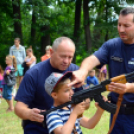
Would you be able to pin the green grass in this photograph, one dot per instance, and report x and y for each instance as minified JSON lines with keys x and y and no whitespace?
{"x":11,"y":124}
{"x":102,"y":127}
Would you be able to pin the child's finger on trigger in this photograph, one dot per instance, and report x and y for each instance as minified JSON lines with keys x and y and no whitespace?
{"x":104,"y":98}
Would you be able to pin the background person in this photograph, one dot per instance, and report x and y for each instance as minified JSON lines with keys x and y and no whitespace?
{"x":18,"y":51}
{"x":7,"y":89}
{"x":91,"y":79}
{"x":103,"y":73}
{"x":29,"y":61}
{"x":48,"y":53}
{"x":1,"y":78}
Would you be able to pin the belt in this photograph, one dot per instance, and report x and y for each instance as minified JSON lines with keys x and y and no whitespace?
{"x":26,"y":122}
{"x":127,"y":105}
{"x":126,"y":109}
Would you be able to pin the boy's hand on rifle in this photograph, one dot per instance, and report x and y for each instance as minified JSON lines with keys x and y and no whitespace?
{"x":79,"y":108}
{"x":97,"y":104}
{"x":87,"y":104}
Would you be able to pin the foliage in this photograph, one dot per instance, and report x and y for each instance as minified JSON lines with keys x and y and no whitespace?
{"x":59,"y":17}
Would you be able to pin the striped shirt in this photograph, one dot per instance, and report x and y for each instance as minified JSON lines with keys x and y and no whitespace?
{"x":59,"y":118}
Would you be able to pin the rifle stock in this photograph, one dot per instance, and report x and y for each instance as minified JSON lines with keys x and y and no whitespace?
{"x":118,"y":79}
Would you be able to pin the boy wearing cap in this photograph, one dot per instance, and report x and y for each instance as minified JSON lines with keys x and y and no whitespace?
{"x":66,"y":120}
{"x":91,"y":79}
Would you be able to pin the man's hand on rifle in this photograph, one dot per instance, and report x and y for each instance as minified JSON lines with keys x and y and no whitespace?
{"x":121,"y":88}
{"x":118,"y":88}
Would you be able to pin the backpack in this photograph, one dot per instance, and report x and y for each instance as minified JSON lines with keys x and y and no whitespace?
{"x":10,"y":79}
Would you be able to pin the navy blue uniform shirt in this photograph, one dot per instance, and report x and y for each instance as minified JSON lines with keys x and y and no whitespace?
{"x":120,"y":58}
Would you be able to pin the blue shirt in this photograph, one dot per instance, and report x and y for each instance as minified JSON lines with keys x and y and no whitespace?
{"x":19,"y":54}
{"x":59,"y":118}
{"x":32,"y":91}
{"x":92,"y":80}
{"x":120,"y":58}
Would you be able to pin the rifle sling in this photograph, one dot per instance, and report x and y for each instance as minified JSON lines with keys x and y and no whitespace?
{"x":120,"y":98}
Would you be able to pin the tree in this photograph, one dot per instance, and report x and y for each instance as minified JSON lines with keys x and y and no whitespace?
{"x":87,"y":24}
{"x":77,"y":24}
{"x":44,"y":16}
{"x":40,"y":22}
{"x":17,"y":19}
{"x":45,"y":38}
{"x":33,"y":25}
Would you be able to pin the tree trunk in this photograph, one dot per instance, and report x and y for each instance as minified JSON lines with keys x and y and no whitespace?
{"x":45,"y":39}
{"x":33,"y":30}
{"x":87,"y":24}
{"x":77,"y":24}
{"x":106,"y":36}
{"x":17,"y":19}
{"x":97,"y":31}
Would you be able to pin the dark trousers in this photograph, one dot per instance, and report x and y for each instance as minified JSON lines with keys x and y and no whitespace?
{"x":124,"y":124}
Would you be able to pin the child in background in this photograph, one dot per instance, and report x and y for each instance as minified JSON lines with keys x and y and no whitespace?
{"x":91,"y":79}
{"x":103,"y":73}
{"x":1,"y":78}
{"x":7,"y":83}
{"x":66,"y":120}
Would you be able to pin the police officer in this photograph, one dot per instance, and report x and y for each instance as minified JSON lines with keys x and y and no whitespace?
{"x":118,"y":53}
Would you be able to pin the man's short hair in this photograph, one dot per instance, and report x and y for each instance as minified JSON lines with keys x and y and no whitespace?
{"x":126,"y":11}
{"x":58,"y":41}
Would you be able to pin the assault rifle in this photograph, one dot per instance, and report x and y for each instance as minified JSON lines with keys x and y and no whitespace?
{"x":95,"y":93}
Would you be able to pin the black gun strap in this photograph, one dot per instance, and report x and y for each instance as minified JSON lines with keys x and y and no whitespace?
{"x":120,"y":98}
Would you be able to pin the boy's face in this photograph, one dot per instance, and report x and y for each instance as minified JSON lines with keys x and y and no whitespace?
{"x":64,"y":94}
{"x":92,"y":73}
{"x":8,"y":61}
